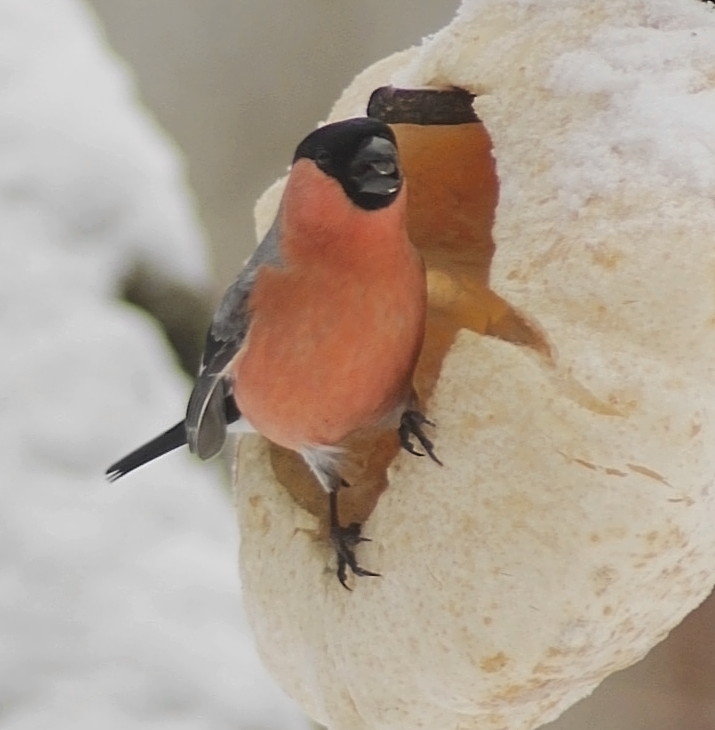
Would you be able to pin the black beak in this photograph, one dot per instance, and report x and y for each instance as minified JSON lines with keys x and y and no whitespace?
{"x":375,"y":168}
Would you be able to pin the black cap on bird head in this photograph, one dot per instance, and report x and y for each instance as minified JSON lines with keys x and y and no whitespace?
{"x":361,"y":154}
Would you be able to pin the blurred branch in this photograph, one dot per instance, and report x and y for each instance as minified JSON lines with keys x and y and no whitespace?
{"x":183,"y":312}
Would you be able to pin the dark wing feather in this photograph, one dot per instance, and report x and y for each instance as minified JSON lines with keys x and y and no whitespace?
{"x":206,"y":415}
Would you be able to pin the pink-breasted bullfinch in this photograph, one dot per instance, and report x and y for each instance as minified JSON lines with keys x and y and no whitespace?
{"x":320,"y":333}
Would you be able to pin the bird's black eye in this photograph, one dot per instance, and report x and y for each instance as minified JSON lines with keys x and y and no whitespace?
{"x":322,"y":159}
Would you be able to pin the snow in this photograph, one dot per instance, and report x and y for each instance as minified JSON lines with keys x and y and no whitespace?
{"x":119,"y":605}
{"x":657,"y":102}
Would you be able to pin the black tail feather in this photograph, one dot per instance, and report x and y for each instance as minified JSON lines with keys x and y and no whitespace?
{"x":162,"y":444}
{"x":167,"y":441}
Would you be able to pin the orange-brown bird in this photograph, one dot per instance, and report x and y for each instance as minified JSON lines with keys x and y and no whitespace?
{"x":319,"y":335}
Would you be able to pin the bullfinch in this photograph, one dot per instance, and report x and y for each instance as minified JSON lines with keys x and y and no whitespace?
{"x":319,"y":335}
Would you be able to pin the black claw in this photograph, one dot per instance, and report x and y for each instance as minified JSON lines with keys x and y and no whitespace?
{"x":411,"y":425}
{"x":344,"y":540}
{"x":342,"y":573}
{"x":407,"y":446}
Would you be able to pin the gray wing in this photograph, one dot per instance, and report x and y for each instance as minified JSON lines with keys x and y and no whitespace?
{"x":206,"y":414}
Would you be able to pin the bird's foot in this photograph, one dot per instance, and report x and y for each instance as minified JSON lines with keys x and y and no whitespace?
{"x":411,"y":425}
{"x":345,"y":540}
